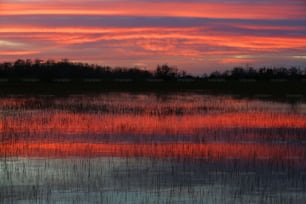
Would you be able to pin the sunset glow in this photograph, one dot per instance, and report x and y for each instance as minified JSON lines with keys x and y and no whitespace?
{"x":198,"y":36}
{"x":151,"y":8}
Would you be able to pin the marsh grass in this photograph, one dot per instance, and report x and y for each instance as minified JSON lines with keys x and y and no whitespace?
{"x":151,"y":148}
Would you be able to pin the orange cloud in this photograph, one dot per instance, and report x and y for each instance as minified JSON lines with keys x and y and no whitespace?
{"x":151,"y":37}
{"x":19,"y":52}
{"x":179,"y":9}
{"x":236,"y":61}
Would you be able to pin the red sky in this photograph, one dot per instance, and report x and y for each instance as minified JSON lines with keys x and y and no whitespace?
{"x":198,"y":36}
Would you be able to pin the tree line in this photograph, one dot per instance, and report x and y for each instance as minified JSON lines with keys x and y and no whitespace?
{"x":50,"y":69}
{"x":263,"y":73}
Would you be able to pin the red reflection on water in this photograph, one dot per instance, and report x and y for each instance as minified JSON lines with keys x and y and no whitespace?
{"x":183,"y":150}
{"x":83,"y":123}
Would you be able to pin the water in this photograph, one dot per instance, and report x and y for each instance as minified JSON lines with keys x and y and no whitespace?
{"x":151,"y":148}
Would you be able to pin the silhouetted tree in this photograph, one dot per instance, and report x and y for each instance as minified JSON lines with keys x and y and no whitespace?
{"x":50,"y":69}
{"x":166,"y":72}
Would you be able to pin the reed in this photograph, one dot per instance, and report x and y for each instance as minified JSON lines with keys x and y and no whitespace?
{"x":148,"y":148}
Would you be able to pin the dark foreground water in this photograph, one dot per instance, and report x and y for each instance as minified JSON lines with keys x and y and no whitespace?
{"x":148,"y":148}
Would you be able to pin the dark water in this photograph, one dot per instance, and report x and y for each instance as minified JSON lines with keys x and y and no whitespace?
{"x":148,"y":148}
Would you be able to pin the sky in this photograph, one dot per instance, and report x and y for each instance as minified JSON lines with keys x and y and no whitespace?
{"x":198,"y":36}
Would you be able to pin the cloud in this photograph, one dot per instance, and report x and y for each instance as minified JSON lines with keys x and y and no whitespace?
{"x":197,"y":34}
{"x":7,"y":43}
{"x":158,"y":9}
{"x":19,"y":52}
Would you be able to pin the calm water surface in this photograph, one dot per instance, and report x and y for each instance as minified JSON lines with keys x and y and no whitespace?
{"x":150,"y":148}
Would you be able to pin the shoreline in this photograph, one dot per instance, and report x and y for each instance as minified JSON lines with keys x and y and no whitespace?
{"x":280,"y":90}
